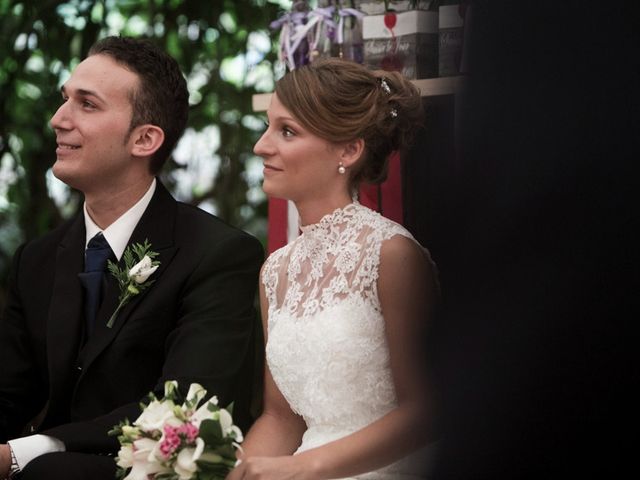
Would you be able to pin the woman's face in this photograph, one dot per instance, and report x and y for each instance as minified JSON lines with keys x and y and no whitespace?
{"x":297,"y":163}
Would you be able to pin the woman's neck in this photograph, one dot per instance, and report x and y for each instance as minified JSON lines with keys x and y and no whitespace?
{"x":312,"y":211}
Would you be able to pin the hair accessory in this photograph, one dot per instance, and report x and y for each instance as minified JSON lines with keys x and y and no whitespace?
{"x":385,"y":86}
{"x":341,"y":169}
{"x":387,"y":89}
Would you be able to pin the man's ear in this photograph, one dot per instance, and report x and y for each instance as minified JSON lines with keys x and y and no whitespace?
{"x":146,"y":140}
{"x":351,"y":152}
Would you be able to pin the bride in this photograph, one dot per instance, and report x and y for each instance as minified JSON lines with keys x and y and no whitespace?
{"x":345,"y":304}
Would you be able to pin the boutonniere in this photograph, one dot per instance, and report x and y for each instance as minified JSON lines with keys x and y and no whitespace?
{"x":139,"y":265}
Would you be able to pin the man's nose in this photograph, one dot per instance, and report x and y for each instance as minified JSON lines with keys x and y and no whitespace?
{"x":60,"y":120}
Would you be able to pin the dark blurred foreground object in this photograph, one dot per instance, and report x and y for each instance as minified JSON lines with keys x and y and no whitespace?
{"x":530,"y":351}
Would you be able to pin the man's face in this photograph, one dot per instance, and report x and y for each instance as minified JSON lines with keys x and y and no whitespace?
{"x":92,"y":125}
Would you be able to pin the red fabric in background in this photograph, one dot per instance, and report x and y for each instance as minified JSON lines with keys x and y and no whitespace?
{"x":391,"y":204}
{"x":390,"y":190}
{"x":277,"y":224}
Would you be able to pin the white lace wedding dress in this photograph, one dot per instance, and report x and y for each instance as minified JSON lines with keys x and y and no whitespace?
{"x":326,"y":346}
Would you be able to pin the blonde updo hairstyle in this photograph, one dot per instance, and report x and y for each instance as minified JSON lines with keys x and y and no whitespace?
{"x":341,"y":101}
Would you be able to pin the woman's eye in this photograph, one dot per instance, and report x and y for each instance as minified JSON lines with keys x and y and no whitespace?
{"x":287,"y":132}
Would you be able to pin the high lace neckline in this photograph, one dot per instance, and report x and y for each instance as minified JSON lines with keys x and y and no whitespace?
{"x":331,"y":219}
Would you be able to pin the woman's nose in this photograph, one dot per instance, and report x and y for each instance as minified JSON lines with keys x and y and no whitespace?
{"x":262,"y":147}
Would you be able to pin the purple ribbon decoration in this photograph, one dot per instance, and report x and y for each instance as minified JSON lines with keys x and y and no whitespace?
{"x":296,"y":27}
{"x":346,"y":12}
{"x":288,"y":24}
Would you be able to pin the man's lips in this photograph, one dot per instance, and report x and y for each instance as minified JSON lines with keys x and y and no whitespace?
{"x":66,"y":147}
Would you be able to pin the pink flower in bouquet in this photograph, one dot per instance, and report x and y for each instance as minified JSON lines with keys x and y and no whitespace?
{"x":174,"y":437}
{"x":170,"y":441}
{"x":190,"y":432}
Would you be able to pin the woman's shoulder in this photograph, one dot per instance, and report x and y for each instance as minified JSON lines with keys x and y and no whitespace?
{"x":400,"y":246}
{"x":275,"y":259}
{"x":406,"y":252}
{"x":395,"y":242}
{"x":281,"y":252}
{"x":382,"y":226}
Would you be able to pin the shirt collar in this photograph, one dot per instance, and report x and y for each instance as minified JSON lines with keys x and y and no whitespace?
{"x":119,"y":232}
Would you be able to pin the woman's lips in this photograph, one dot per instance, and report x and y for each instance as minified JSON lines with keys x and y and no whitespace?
{"x":271,"y":168}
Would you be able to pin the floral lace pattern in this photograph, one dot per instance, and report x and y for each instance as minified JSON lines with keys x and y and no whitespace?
{"x":332,"y":260}
{"x":326,"y":346}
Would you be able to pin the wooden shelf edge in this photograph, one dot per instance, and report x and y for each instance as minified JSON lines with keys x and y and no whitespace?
{"x":429,"y":87}
{"x":260,"y":102}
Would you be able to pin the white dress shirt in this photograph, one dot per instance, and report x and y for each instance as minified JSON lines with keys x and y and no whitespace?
{"x":117,"y":235}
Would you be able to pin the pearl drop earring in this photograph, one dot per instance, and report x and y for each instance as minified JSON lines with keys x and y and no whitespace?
{"x":341,"y":169}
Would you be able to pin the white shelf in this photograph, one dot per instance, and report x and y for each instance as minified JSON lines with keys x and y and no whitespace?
{"x":429,"y":87}
{"x":260,"y":102}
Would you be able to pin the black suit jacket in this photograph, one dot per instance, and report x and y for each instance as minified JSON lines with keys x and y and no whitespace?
{"x":194,"y":324}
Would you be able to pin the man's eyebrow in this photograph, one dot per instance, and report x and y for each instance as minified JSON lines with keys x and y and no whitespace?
{"x":83,"y":92}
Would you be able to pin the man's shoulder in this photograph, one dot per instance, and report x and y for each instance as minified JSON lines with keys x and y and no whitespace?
{"x":194,"y":223}
{"x":51,"y":239}
{"x":196,"y":218}
{"x":36,"y":257}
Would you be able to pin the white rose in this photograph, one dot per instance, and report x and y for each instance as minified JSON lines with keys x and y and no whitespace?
{"x":202,"y":413}
{"x":142,"y":448}
{"x":144,"y":463}
{"x":156,"y":415}
{"x":142,"y":270}
{"x":186,"y":465}
{"x":125,"y":456}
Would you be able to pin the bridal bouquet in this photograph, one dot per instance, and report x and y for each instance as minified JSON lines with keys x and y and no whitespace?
{"x":173,"y":441}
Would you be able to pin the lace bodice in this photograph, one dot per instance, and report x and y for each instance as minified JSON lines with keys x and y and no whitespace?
{"x":331,"y":261}
{"x":326,"y":346}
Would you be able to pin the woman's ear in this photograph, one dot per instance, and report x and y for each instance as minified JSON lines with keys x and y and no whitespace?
{"x":146,"y":140}
{"x":351,"y":152}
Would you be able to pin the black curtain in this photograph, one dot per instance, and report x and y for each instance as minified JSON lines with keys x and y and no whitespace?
{"x":531,"y":215}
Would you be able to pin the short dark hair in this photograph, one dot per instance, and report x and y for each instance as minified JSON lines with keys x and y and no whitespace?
{"x":161,"y":99}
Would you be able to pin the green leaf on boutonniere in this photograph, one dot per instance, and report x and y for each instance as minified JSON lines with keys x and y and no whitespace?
{"x":139,"y":265}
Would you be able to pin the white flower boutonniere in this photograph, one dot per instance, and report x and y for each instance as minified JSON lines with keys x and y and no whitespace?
{"x":139,"y":265}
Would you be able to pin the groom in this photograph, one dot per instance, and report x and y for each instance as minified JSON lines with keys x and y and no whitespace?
{"x":67,"y":377}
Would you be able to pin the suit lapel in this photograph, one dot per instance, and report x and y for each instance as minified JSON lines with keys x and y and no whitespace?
{"x":65,"y":324}
{"x":156,"y":225}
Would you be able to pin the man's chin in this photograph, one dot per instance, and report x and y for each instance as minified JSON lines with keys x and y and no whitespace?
{"x":65,"y":175}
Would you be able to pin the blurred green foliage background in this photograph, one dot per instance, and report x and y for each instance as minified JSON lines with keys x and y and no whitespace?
{"x":224,"y":49}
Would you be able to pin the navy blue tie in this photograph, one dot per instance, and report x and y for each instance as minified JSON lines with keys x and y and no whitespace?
{"x":95,"y":263}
